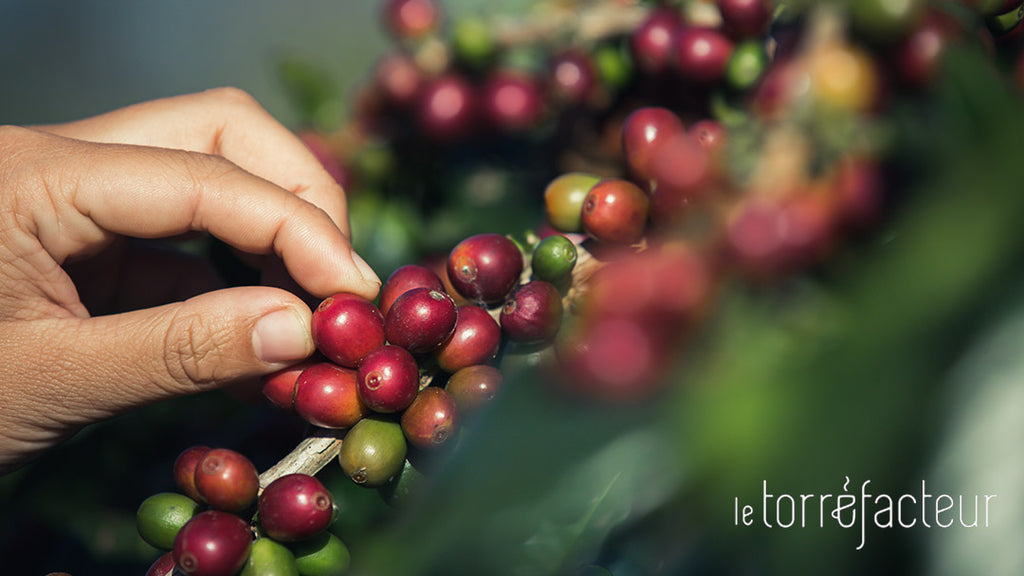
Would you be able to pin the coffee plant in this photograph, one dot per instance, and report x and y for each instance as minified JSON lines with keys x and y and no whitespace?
{"x":589,"y":197}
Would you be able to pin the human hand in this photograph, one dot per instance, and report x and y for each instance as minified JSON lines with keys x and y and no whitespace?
{"x":213,"y":162}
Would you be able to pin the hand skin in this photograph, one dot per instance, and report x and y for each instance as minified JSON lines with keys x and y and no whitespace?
{"x":212,"y":162}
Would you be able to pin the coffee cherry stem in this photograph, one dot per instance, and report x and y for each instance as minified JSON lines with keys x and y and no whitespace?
{"x":310,"y":456}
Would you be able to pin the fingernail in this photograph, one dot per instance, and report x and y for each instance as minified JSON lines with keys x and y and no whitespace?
{"x":364,"y":270}
{"x":282,"y":336}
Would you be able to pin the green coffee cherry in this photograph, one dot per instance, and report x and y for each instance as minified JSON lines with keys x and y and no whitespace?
{"x":614,"y":65}
{"x":323,"y":555}
{"x":553,"y":259}
{"x":564,"y":198}
{"x":746,"y":65}
{"x":373,"y":451}
{"x":473,"y":43}
{"x":270,"y":558}
{"x":402,"y":486}
{"x":161,"y":516}
{"x":885,"y":19}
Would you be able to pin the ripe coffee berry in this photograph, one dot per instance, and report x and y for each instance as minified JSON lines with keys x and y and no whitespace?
{"x":346,"y":327}
{"x":745,"y":18}
{"x":185,"y":470}
{"x":475,"y":340}
{"x":474,"y":386}
{"x":214,"y":543}
{"x":512,"y":102}
{"x":572,"y":77}
{"x":420,"y":320}
{"x":295,"y":507}
{"x":484,"y":268}
{"x":227,"y":480}
{"x":701,"y":54}
{"x":615,"y":211}
{"x":279,"y":387}
{"x":642,"y":132}
{"x":446,"y":108}
{"x":431,"y":420}
{"x":411,"y":18}
{"x":652,"y":41}
{"x":404,"y":279}
{"x":388,"y":379}
{"x":532,"y":313}
{"x":326,"y":396}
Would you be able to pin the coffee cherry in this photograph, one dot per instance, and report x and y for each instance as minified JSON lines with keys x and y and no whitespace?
{"x":269,"y":558}
{"x":346,"y":327}
{"x":446,"y":108}
{"x":388,"y":379}
{"x":857,"y":187}
{"x":682,"y":170}
{"x":919,"y":55}
{"x":161,"y":516}
{"x":402,"y":486}
{"x":411,"y":18}
{"x":844,"y":77}
{"x":884,"y":20}
{"x":185,"y":470}
{"x":323,"y":555}
{"x":214,"y":543}
{"x":564,"y":197}
{"x":532,"y":313}
{"x":512,"y":102}
{"x":484,"y":268}
{"x":745,"y":18}
{"x":431,"y":420}
{"x":746,"y":65}
{"x":615,"y":212}
{"x":474,"y":386}
{"x":295,"y":507}
{"x":572,"y":77}
{"x":398,"y":79}
{"x":473,"y":43}
{"x":404,"y":279}
{"x":475,"y":340}
{"x":373,"y":451}
{"x":162,"y":566}
{"x":326,"y":396}
{"x":701,"y":54}
{"x":279,"y":387}
{"x":227,"y":480}
{"x":652,"y":42}
{"x":420,"y":320}
{"x":710,"y":134}
{"x":614,"y":359}
{"x":642,"y":132}
{"x":554,"y":259}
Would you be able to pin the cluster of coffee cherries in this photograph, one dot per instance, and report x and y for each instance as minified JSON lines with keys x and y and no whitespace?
{"x":221,"y":523}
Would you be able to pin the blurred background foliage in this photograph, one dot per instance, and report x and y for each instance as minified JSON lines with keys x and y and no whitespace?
{"x":897,"y":362}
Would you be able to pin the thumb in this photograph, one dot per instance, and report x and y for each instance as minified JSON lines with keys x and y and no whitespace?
{"x":123,"y":361}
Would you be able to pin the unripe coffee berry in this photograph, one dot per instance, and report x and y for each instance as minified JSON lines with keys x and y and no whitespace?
{"x":295,"y":507}
{"x":554,"y":259}
{"x":563,"y":199}
{"x":373,"y":451}
{"x":161,"y":516}
{"x":346,"y":327}
{"x":227,"y":480}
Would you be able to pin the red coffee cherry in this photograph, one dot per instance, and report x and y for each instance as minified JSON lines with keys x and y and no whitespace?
{"x":614,"y":359}
{"x":398,"y":79}
{"x":227,"y":480}
{"x":411,"y":18}
{"x":572,"y":77}
{"x":745,"y":18}
{"x":295,"y":507}
{"x":162,"y":566}
{"x":346,"y":327}
{"x":475,"y":340}
{"x":431,"y":420}
{"x":532,"y":313}
{"x":474,"y":386}
{"x":213,"y":543}
{"x":326,"y":396}
{"x":185,"y":470}
{"x":710,"y":134}
{"x":615,"y":211}
{"x":446,"y":109}
{"x":701,"y":54}
{"x":420,"y":320}
{"x":279,"y":387}
{"x":484,"y":268}
{"x":642,"y":132}
{"x":388,"y":379}
{"x":682,"y":169}
{"x":652,"y":42}
{"x":404,"y":279}
{"x":512,"y":102}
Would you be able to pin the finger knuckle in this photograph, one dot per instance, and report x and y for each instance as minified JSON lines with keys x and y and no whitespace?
{"x":232,"y":97}
{"x":194,"y":351}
